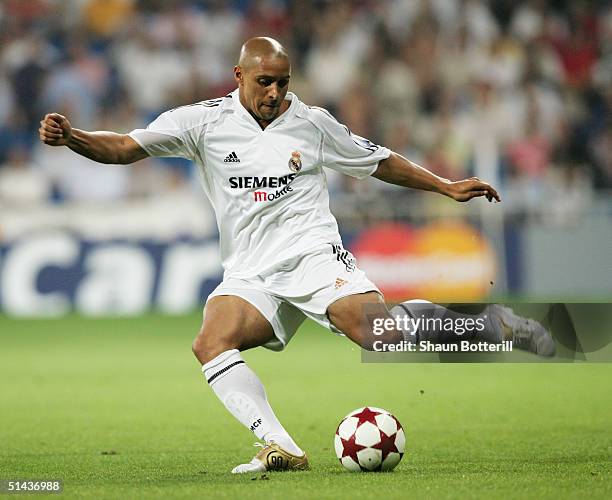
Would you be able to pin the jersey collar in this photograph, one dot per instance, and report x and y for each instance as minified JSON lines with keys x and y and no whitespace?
{"x":241,"y":110}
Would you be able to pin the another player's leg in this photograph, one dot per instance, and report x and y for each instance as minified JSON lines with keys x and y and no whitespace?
{"x":231,"y":325}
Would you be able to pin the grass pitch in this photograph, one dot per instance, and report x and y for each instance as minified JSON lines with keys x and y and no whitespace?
{"x":119,"y":409}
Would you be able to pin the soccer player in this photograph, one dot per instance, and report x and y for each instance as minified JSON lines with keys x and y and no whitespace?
{"x":260,"y":154}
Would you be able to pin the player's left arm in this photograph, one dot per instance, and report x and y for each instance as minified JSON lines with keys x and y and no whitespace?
{"x":398,"y":170}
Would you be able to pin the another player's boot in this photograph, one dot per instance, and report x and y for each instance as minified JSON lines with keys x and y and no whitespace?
{"x":527,"y":334}
{"x":272,"y":457}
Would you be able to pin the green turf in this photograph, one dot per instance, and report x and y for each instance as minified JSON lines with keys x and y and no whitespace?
{"x":119,"y":409}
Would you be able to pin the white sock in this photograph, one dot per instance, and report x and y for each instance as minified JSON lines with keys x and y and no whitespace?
{"x":243,"y":394}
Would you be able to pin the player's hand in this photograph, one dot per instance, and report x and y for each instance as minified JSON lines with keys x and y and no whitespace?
{"x":470,"y":188}
{"x":55,"y":130}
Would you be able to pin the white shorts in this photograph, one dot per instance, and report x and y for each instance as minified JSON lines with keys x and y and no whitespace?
{"x":304,"y":286}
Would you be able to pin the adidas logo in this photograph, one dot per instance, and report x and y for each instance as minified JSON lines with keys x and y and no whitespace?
{"x":340,"y":283}
{"x":232,"y":158}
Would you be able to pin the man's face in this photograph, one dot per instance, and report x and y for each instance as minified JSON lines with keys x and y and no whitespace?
{"x":263,"y":86}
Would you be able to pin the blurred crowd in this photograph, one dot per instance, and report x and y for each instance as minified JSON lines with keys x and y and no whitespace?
{"x":517,"y":92}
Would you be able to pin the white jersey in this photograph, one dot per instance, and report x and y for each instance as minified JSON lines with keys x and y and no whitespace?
{"x":267,"y":187}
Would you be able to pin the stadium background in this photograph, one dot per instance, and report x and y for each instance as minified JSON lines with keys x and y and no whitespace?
{"x":517,"y":93}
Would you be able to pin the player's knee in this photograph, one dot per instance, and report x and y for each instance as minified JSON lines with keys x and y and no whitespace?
{"x":198,"y":347}
{"x":203,"y":349}
{"x":207,"y":346}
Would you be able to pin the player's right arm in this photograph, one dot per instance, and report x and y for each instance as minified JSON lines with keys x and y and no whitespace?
{"x":103,"y":147}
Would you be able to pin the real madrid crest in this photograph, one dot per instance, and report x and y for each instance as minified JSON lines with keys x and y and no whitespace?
{"x":295,"y":163}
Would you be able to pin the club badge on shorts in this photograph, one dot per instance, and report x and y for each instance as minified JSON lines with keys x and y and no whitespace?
{"x":295,"y":163}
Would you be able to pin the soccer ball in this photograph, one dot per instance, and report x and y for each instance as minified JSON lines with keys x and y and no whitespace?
{"x":369,"y":439}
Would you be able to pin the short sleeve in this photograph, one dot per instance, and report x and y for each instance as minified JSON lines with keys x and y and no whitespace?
{"x":346,"y":152}
{"x":163,"y":137}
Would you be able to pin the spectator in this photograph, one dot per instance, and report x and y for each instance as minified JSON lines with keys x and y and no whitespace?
{"x":500,"y":89}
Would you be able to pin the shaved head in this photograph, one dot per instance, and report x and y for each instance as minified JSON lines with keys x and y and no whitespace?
{"x":262,"y":73}
{"x":256,"y":49}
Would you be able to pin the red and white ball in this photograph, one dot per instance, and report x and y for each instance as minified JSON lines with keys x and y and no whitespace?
{"x":369,"y":439}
